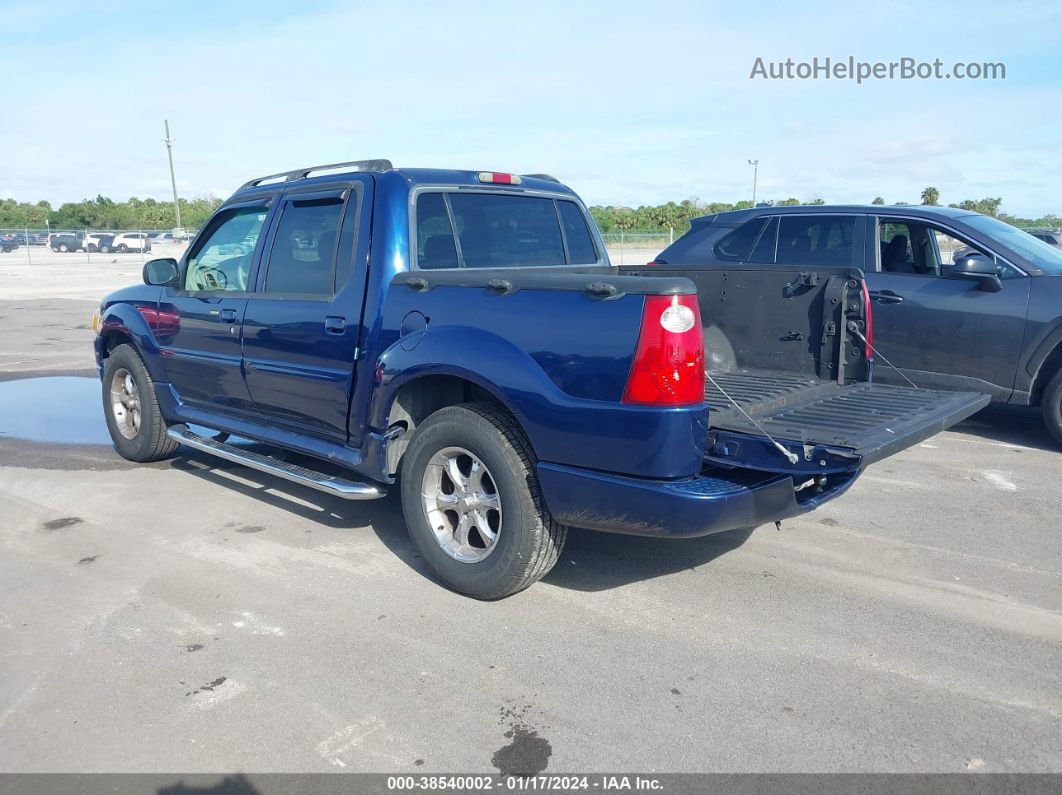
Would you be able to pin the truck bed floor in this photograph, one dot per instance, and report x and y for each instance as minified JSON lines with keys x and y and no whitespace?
{"x":872,"y":420}
{"x":757,"y":390}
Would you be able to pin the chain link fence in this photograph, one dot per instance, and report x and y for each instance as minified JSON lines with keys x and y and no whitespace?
{"x":636,"y":248}
{"x":45,"y":245}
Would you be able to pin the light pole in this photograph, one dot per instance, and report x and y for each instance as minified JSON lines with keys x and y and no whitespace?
{"x":755,"y":171}
{"x":173,"y":180}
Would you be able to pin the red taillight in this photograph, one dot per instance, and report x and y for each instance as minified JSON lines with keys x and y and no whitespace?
{"x":869,"y":321}
{"x":668,"y":367}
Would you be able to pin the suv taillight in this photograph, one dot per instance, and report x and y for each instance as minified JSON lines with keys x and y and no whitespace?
{"x":869,"y":322}
{"x":668,"y":367}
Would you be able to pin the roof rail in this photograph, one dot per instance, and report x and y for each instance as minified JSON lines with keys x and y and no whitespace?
{"x":302,"y":173}
{"x":549,"y":177}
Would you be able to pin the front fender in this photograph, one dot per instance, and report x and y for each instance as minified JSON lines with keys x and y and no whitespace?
{"x":123,"y":319}
{"x":594,"y":434}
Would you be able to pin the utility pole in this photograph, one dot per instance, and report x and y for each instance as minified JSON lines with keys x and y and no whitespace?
{"x":754,"y":163}
{"x":173,"y":179}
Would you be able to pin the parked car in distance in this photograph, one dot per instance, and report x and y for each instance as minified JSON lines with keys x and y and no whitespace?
{"x":68,"y":241}
{"x":1051,"y":238}
{"x":98,"y":241}
{"x":131,"y":241}
{"x":961,"y":300}
{"x":463,"y":333}
{"x":8,"y":243}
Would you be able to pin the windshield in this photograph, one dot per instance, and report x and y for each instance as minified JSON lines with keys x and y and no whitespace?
{"x":1039,"y":253}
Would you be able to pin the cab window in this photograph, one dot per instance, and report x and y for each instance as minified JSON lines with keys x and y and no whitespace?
{"x":222,"y":261}
{"x":303,"y":255}
{"x":917,"y":248}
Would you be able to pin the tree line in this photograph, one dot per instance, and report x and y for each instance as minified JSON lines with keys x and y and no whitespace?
{"x":662,"y":217}
{"x":104,"y":213}
{"x":134,"y":213}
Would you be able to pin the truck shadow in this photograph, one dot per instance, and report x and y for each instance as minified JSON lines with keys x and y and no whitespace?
{"x":1008,"y":427}
{"x":591,"y":561}
{"x":594,"y":561}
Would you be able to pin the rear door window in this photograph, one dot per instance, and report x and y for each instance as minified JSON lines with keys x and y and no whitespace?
{"x":498,"y":230}
{"x":819,"y":240}
{"x":303,"y":256}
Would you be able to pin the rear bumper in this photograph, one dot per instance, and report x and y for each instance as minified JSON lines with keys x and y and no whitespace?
{"x":710,"y":503}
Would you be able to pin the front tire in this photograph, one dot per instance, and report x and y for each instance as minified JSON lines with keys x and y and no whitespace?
{"x":64,"y":248}
{"x":123,"y":248}
{"x":472,"y":503}
{"x":132,"y":410}
{"x":1051,"y":406}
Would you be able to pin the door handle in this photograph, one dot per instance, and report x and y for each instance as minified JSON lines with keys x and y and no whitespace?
{"x":228,"y":315}
{"x":886,"y":297}
{"x":335,"y":325}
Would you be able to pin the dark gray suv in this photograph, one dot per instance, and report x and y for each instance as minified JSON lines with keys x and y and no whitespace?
{"x":962,"y":301}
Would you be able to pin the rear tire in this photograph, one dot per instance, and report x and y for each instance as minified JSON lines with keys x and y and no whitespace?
{"x":64,"y":248}
{"x":134,"y":420}
{"x":123,"y":248}
{"x":1051,"y":406}
{"x":527,"y":540}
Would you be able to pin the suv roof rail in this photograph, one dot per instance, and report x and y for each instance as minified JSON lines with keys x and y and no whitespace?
{"x":549,"y":177}
{"x":303,"y":173}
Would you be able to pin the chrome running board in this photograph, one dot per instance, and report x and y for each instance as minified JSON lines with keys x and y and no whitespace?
{"x":330,"y":484}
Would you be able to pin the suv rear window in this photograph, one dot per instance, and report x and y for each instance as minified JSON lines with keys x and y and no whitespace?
{"x":499,"y":230}
{"x":736,"y":245}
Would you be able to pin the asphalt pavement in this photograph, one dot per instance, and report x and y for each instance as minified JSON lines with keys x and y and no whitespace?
{"x":193,"y":615}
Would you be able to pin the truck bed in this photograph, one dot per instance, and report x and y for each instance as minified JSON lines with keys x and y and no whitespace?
{"x":779,"y":343}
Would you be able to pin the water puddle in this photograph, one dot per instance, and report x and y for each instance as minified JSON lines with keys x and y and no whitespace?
{"x":53,"y":409}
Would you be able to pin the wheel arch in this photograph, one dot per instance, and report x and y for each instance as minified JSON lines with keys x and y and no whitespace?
{"x":421,"y":396}
{"x":1051,"y":364}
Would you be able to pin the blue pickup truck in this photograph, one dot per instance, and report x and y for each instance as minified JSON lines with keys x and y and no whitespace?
{"x":462,"y":334}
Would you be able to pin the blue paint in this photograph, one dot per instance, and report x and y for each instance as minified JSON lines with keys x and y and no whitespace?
{"x":56,"y":410}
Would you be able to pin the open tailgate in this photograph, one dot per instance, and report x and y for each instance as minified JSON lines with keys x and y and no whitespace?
{"x":863,"y":420}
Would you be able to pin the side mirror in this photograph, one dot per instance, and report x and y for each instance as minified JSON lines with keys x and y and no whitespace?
{"x":158,"y":272}
{"x":979,"y":267}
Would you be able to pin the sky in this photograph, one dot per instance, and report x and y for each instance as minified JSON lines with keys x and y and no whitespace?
{"x":629,"y":103}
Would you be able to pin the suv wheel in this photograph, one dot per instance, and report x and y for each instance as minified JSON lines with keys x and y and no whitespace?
{"x":1051,"y":406}
{"x":132,"y":410}
{"x":472,"y":503}
{"x":105,"y":249}
{"x":64,"y":247}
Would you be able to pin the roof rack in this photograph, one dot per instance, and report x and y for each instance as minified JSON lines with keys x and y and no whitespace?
{"x":548,"y":177}
{"x":303,"y":173}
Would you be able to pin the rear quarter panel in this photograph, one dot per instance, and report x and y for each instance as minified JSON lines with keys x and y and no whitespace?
{"x":557,"y":359}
